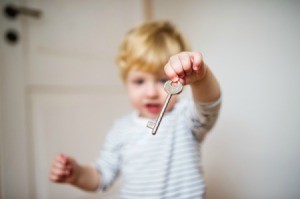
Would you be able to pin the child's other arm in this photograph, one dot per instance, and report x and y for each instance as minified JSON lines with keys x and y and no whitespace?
{"x":67,"y":170}
{"x":189,"y":68}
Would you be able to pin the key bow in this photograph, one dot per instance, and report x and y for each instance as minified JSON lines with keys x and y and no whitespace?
{"x":173,"y":90}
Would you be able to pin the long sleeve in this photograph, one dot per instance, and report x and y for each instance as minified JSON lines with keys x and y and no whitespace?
{"x":109,"y":161}
{"x":202,"y":117}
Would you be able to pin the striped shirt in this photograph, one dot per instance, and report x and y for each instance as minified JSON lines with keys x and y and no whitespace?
{"x":163,"y":166}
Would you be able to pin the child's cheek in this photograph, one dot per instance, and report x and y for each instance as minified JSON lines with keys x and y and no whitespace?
{"x":133,"y":94}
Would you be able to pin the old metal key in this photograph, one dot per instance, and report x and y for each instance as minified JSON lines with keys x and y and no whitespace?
{"x":171,"y":90}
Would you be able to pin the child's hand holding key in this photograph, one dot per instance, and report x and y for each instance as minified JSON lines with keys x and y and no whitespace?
{"x":183,"y":68}
{"x":186,"y":67}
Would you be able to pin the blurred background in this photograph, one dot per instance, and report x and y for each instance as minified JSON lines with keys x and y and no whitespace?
{"x":60,"y":90}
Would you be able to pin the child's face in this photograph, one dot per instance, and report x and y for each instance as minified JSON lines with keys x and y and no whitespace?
{"x":147,"y":94}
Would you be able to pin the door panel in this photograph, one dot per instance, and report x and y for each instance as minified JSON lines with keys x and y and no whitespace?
{"x":61,"y":91}
{"x":75,"y":42}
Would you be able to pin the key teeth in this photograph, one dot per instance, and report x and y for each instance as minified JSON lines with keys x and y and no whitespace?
{"x":150,"y":125}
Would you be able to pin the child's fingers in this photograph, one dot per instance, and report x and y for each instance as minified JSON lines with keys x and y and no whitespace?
{"x":185,"y":62}
{"x":171,"y":73}
{"x":196,"y":60}
{"x":59,"y":165}
{"x":176,"y":64}
{"x":60,"y":171}
{"x":63,"y":159}
{"x":56,"y":178}
{"x":180,"y":67}
{"x":60,"y":158}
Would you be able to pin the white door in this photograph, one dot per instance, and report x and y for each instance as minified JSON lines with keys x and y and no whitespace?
{"x":60,"y":90}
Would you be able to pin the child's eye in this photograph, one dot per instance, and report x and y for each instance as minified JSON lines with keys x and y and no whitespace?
{"x":138,"y":81}
{"x":163,"y":80}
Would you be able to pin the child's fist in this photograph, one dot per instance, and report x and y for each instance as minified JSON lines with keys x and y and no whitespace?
{"x":188,"y":67}
{"x":64,"y":169}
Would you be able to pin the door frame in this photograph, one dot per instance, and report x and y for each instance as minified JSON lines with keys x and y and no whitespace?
{"x":14,"y":157}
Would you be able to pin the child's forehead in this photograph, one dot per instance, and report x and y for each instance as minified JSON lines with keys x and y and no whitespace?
{"x":142,"y":73}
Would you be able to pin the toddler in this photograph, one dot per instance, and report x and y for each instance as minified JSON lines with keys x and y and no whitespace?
{"x":168,"y":164}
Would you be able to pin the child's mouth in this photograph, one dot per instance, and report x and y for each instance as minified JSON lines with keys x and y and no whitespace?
{"x":153,"y":108}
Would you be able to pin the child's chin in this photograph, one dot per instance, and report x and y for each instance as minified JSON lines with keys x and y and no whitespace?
{"x":151,"y":115}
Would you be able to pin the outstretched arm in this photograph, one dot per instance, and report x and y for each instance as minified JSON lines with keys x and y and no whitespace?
{"x":189,"y":68}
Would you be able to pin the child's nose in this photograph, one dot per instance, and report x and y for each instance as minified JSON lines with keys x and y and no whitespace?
{"x":152,"y":91}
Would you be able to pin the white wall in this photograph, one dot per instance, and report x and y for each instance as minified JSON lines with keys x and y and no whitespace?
{"x":252,"y":48}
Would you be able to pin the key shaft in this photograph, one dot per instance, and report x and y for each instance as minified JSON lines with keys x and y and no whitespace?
{"x":154,"y":126}
{"x":171,"y":90}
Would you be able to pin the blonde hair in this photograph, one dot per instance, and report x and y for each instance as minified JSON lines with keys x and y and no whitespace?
{"x":149,"y":46}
